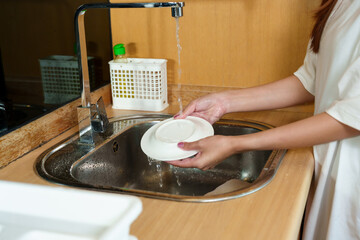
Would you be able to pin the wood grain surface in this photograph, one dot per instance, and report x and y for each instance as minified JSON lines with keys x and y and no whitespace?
{"x":224,"y":43}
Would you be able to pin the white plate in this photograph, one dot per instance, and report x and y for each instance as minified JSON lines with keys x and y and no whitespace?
{"x":160,"y":141}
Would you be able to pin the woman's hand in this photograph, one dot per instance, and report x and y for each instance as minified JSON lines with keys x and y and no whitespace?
{"x":210,"y":107}
{"x":212,"y":151}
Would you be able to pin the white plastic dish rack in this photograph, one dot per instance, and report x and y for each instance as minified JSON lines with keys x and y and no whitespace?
{"x":34,"y":212}
{"x":60,"y":78}
{"x":139,"y":84}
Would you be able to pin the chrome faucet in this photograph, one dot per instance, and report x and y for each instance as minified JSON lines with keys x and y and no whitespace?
{"x":94,"y":115}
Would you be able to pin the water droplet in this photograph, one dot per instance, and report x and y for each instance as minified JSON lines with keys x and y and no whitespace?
{"x":177,"y":176}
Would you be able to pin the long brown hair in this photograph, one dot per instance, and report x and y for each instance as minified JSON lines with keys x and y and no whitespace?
{"x":321,"y":16}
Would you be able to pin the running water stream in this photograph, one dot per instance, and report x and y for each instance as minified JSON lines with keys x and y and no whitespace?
{"x":179,"y":63}
{"x":158,"y":166}
{"x":179,"y":84}
{"x":158,"y":169}
{"x":151,"y":160}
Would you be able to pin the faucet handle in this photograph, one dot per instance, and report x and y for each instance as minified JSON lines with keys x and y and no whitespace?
{"x":99,"y":119}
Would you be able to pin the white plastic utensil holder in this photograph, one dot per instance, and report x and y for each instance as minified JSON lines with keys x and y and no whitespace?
{"x":139,"y":84}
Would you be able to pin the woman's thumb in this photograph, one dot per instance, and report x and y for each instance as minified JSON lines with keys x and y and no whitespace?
{"x":188,"y":145}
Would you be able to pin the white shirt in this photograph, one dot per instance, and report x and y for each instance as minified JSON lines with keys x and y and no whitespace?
{"x":333,"y":77}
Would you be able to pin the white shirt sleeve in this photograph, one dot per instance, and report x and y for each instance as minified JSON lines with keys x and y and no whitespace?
{"x":346,"y":109}
{"x":307,"y":72}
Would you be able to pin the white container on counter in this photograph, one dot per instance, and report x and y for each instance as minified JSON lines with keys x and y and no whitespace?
{"x":33,"y":212}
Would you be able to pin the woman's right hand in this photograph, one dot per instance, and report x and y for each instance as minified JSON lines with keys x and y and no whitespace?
{"x":210,"y":107}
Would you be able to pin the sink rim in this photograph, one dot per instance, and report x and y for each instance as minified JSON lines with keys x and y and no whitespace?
{"x":266,"y":175}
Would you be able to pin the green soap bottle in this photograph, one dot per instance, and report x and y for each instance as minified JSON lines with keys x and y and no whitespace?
{"x":119,"y":52}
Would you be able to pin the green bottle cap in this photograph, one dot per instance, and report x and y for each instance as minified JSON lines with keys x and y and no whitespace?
{"x":119,"y":49}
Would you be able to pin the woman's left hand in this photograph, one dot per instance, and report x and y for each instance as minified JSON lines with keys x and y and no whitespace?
{"x":212,"y":151}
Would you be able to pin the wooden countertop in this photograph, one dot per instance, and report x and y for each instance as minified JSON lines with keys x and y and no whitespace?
{"x":274,"y":212}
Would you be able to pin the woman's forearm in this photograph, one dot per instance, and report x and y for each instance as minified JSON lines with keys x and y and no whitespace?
{"x":315,"y":130}
{"x":283,"y":93}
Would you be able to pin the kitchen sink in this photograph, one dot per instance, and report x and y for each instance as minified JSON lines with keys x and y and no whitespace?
{"x":117,"y":164}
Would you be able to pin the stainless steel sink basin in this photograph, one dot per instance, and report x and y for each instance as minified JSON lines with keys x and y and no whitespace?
{"x":119,"y":165}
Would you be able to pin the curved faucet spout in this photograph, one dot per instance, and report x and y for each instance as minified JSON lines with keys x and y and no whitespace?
{"x":176,"y":11}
